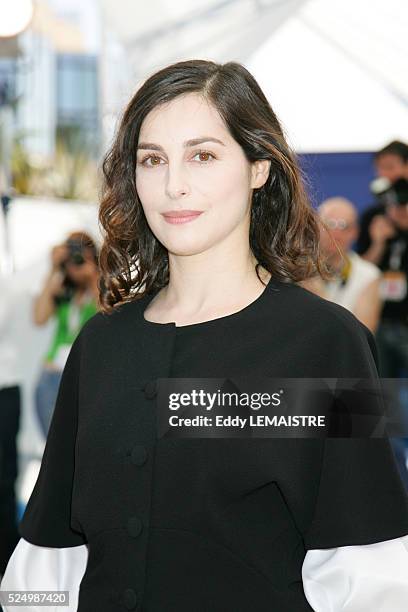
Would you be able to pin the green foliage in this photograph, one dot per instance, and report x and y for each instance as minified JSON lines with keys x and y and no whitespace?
{"x":71,"y":173}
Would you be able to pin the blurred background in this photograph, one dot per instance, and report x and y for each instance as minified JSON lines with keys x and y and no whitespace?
{"x":335,"y":74}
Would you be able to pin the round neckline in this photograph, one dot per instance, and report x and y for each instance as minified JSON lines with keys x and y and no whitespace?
{"x":225,"y":318}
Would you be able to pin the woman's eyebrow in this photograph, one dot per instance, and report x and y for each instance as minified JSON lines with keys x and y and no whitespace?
{"x":187,"y":143}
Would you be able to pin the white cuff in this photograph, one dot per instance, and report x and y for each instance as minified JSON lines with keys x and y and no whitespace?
{"x":358,"y":578}
{"x":38,"y":568}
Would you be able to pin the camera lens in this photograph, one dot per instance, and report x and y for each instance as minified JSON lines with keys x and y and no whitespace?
{"x":75,"y":253}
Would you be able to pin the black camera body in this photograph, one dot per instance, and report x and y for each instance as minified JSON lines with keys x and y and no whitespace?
{"x":75,"y":252}
{"x":387,"y":193}
{"x":76,"y":257}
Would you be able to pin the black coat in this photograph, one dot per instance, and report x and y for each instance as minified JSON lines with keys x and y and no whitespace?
{"x":207,"y":525}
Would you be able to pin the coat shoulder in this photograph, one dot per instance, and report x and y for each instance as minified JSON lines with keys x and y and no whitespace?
{"x":329,"y":335}
{"x":121,"y":316}
{"x":322,"y":315}
{"x":314,"y":306}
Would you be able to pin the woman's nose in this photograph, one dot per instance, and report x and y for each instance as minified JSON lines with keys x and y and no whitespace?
{"x":177,"y":183}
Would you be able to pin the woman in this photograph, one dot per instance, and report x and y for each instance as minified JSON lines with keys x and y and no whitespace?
{"x":208,"y":230}
{"x":70,"y":296}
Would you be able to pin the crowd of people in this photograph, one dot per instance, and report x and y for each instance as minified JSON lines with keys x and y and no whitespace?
{"x":369,"y":259}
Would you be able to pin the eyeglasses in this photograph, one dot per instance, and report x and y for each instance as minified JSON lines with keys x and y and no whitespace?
{"x":340,"y":224}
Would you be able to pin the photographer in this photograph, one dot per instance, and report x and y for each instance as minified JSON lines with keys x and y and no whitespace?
{"x":70,"y":294}
{"x":383,"y":240}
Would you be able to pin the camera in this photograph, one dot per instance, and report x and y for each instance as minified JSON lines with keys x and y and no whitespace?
{"x":75,"y":256}
{"x":75,"y":253}
{"x":386,"y":192}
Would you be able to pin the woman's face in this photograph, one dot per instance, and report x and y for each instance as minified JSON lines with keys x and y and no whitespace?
{"x":188,"y":161}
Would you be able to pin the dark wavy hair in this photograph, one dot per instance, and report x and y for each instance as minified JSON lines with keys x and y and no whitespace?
{"x":284,"y":227}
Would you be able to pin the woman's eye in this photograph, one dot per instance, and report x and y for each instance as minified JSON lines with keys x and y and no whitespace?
{"x":153,"y":157}
{"x":205,"y":154}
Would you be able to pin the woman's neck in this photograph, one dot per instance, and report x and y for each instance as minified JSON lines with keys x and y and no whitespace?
{"x":178,"y":302}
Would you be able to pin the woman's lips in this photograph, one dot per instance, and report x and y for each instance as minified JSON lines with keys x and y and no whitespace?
{"x":176,"y":217}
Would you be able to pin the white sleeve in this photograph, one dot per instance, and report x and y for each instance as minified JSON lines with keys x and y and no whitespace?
{"x":358,"y":578}
{"x":38,"y":568}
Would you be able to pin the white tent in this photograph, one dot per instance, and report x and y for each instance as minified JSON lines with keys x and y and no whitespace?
{"x":334,"y":71}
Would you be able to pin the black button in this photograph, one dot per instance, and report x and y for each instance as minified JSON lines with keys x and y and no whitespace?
{"x":150,"y":389}
{"x":134,"y":526}
{"x":130,"y":599}
{"x":138,"y":455}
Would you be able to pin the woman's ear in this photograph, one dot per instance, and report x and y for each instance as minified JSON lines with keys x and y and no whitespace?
{"x":260,"y":172}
